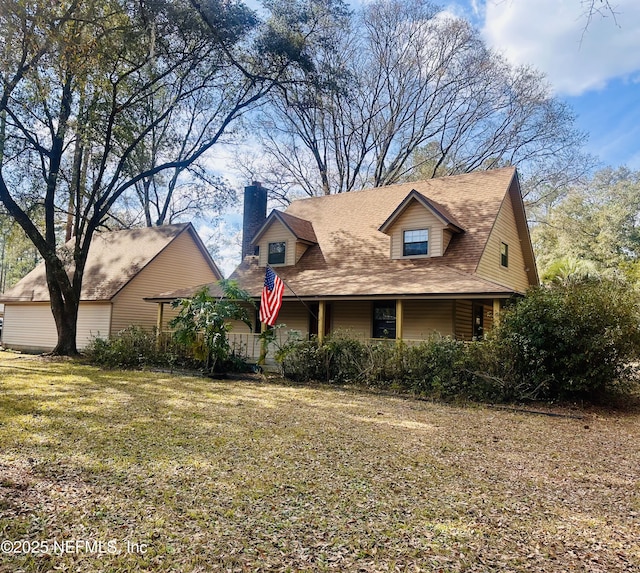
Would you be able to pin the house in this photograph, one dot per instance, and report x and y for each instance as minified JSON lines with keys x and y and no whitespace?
{"x":122,"y":268}
{"x":403,"y":261}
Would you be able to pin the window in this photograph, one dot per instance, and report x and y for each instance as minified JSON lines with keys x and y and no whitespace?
{"x":415,"y":243}
{"x":504,"y":254}
{"x":276,"y":253}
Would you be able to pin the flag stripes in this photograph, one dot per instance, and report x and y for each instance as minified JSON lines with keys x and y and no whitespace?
{"x":271,"y":299}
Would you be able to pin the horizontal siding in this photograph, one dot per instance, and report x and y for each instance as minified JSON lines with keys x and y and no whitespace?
{"x":463,"y":319}
{"x":276,"y":233}
{"x":446,"y":239}
{"x":488,"y":317}
{"x":31,"y":326}
{"x":292,"y":314}
{"x":296,"y":317}
{"x":301,"y":249}
{"x":354,"y":317}
{"x":423,"y":318}
{"x":505,"y":230}
{"x":416,"y":216}
{"x":179,"y":265}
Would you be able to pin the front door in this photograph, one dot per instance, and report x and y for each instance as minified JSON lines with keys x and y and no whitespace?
{"x":384,"y":319}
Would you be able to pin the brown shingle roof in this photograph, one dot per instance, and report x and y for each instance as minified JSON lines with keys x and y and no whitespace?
{"x":114,"y":259}
{"x":300,"y":228}
{"x":352,"y":258}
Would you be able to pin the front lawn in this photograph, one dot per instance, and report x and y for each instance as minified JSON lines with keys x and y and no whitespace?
{"x":137,"y":471}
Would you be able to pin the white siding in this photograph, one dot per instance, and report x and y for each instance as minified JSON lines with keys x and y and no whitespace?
{"x":30,"y":326}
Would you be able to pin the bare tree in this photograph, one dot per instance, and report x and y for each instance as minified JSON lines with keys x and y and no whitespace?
{"x":409,"y":92}
{"x":598,"y":8}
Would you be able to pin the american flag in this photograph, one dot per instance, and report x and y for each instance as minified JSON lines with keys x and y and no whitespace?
{"x":271,"y":299}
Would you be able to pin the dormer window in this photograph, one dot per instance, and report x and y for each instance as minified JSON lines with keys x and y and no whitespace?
{"x":277,"y":253}
{"x":415,"y":243}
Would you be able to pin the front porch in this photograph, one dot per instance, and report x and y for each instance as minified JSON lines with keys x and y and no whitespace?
{"x":410,"y":320}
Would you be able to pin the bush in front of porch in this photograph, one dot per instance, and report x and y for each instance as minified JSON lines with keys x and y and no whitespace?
{"x":574,"y":340}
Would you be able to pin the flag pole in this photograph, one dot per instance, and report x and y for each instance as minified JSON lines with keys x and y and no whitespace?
{"x":264,"y":326}
{"x":294,"y":294}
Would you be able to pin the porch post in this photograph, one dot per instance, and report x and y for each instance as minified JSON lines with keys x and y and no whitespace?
{"x":159,"y":321}
{"x":160,"y":318}
{"x":399,"y":318}
{"x":263,"y":345}
{"x":322,"y":312}
{"x":496,"y":311}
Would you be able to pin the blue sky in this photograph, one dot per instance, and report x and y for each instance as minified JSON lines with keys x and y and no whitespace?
{"x":596,"y":71}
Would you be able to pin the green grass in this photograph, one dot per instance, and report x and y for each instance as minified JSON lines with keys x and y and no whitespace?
{"x":251,"y":476}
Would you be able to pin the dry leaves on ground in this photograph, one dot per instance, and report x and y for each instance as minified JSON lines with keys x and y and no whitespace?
{"x":188,"y":474}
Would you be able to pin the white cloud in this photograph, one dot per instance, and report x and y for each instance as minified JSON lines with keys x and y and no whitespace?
{"x":551,"y":36}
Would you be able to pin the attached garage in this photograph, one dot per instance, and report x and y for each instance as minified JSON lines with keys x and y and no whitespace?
{"x":122,"y":269}
{"x":32,"y":326}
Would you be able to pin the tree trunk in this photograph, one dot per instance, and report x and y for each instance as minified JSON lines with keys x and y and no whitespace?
{"x":66,"y":327}
{"x":64,"y":307}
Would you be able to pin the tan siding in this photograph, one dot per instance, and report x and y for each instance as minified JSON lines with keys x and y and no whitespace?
{"x":463,"y":319}
{"x":30,"y":326}
{"x":422,"y":318}
{"x":301,"y":249}
{"x":416,"y":216}
{"x":446,"y":239}
{"x":293,"y":313}
{"x":275,"y":233}
{"x":296,"y":317}
{"x":504,"y":231}
{"x":180,"y":263}
{"x":352,"y":316}
{"x":488,"y":317}
{"x":238,"y":326}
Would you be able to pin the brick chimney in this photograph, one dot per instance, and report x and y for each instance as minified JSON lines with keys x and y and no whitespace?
{"x":255,"y":214}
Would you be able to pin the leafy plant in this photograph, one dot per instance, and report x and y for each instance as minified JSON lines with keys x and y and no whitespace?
{"x":135,"y":347}
{"x":571,"y":339}
{"x":204,"y":321}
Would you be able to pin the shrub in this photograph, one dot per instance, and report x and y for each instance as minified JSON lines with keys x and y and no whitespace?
{"x":203,"y":322}
{"x":438,"y":366}
{"x":569,"y":340}
{"x":134,"y":347}
{"x":572,"y":340}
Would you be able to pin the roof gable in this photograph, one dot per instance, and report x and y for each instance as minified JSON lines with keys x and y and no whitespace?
{"x":352,"y":255}
{"x":114,"y":259}
{"x":439,"y":211}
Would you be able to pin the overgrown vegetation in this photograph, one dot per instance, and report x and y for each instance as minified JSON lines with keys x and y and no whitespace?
{"x":577,"y":339}
{"x":135,"y":347}
{"x":565,"y":341}
{"x":199,"y":339}
{"x":204,"y":321}
{"x":573,"y":339}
